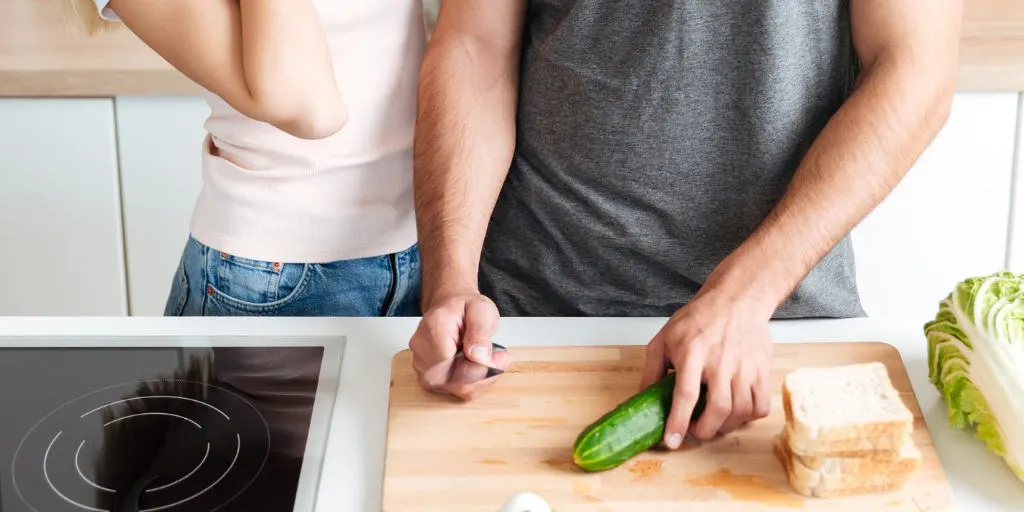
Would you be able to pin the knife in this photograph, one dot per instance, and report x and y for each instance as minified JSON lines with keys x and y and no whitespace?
{"x":467,"y":371}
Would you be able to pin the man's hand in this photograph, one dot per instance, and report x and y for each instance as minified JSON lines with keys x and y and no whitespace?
{"x":720,"y":340}
{"x":908,"y":53}
{"x":468,"y":320}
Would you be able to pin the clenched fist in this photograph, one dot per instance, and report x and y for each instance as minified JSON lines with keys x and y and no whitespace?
{"x":462,"y":320}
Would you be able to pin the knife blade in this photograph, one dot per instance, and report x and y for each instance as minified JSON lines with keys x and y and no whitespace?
{"x":466,"y":371}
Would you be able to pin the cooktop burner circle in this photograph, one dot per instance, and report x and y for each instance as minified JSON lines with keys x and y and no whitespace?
{"x":143,"y":446}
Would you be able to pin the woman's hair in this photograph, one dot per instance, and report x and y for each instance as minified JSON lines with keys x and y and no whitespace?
{"x":82,"y":15}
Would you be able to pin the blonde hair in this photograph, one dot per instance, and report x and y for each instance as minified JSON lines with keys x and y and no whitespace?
{"x":81,"y":15}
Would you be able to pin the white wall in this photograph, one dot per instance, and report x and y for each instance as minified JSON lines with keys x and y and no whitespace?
{"x":949,"y":217}
{"x":70,"y":178}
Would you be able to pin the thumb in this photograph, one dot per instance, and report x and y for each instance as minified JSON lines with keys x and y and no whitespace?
{"x":481,"y":325}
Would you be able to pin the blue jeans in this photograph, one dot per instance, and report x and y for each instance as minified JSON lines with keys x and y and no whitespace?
{"x":212,"y":283}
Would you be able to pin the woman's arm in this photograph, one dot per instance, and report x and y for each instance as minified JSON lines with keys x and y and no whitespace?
{"x":266,"y":58}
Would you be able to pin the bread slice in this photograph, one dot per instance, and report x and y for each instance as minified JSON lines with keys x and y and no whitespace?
{"x":906,"y":459}
{"x":835,"y":410}
{"x":839,"y":477}
{"x":872,"y":447}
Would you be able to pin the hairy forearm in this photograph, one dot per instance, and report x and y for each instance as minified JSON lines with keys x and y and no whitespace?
{"x":269,"y":60}
{"x":859,"y":157}
{"x":464,"y":141}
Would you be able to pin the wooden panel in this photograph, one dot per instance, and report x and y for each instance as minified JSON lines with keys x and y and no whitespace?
{"x":445,"y":455}
{"x":60,"y":239}
{"x":39,"y":57}
{"x":160,"y":142}
{"x":992,"y":46}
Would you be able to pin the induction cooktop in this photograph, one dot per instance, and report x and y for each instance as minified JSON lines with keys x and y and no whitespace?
{"x":153,"y":424}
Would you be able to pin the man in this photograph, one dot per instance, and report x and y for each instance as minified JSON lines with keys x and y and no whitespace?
{"x":699,"y":160}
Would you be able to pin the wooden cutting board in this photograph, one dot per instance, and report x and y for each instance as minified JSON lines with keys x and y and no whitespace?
{"x":452,"y":456}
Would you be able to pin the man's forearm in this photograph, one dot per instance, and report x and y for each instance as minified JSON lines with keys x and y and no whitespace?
{"x":859,"y":157}
{"x":465,"y":137}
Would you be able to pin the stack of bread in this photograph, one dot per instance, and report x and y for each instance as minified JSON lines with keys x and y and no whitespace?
{"x":847,"y":432}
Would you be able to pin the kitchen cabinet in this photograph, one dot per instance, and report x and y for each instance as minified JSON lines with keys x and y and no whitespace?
{"x":159,"y":138}
{"x":96,"y":197}
{"x":60,"y":220}
{"x":948,"y":219}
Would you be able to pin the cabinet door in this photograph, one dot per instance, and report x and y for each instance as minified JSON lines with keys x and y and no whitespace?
{"x":948,"y":219}
{"x":159,"y":140}
{"x":60,"y":222}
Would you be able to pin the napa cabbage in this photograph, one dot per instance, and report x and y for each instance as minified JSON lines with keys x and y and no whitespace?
{"x":976,"y":361}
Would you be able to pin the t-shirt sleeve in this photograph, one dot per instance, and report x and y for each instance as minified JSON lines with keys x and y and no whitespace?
{"x":105,"y":11}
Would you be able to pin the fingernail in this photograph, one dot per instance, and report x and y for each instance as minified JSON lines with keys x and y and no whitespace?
{"x":674,"y":441}
{"x":500,"y":359}
{"x":479,"y":353}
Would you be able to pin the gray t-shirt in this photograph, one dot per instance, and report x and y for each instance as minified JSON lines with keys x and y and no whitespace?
{"x":653,"y":137}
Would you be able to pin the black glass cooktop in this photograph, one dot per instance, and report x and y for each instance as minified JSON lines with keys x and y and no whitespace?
{"x":132,"y":429}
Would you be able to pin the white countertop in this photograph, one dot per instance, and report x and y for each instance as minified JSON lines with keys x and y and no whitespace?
{"x":353,"y":469}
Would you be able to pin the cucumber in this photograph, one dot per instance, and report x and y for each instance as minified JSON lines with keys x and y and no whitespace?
{"x":631,"y":428}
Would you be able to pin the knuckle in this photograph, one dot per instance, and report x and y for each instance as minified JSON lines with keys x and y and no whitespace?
{"x":747,"y":411}
{"x":688,"y":393}
{"x":719,"y":407}
{"x":426,"y":383}
{"x":704,"y":434}
{"x":484,"y":301}
{"x":416,"y":345}
{"x":742,"y":411}
{"x":718,"y":410}
{"x":429,"y":380}
{"x":429,"y":332}
{"x":747,"y":374}
{"x":697,"y":341}
{"x":762,"y":410}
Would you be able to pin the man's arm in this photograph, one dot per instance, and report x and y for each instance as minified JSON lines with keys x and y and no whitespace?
{"x":268,"y":59}
{"x":909,"y":53}
{"x":465,"y":135}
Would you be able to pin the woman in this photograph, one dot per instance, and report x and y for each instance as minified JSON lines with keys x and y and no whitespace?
{"x":306,"y":207}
